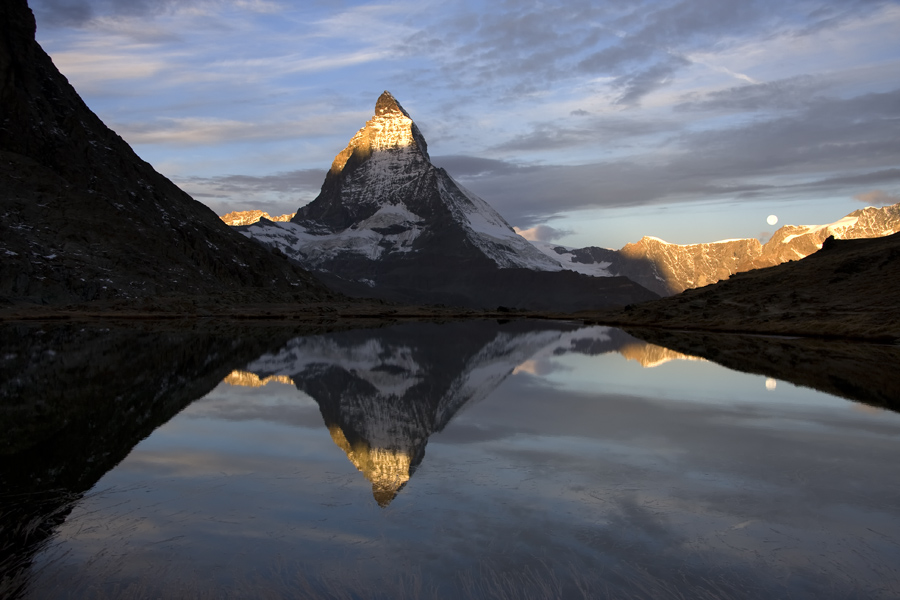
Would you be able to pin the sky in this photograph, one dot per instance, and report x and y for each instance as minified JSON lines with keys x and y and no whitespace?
{"x":582,"y":123}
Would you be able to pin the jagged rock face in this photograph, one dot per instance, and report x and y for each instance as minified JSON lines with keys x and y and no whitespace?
{"x":694,"y":265}
{"x":793,"y":242}
{"x":249,"y":217}
{"x":84,"y":218}
{"x":848,"y":288}
{"x":672,"y":268}
{"x":241,"y":378}
{"x":390,"y":224}
{"x":385,"y":164}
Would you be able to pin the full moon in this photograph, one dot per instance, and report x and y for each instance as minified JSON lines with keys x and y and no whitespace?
{"x":771,"y":219}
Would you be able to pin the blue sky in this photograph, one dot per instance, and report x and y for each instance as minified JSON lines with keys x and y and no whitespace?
{"x":588,"y":123}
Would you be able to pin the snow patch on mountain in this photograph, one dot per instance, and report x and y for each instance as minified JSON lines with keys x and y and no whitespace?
{"x":569,"y":261}
{"x":392,"y":228}
{"x":490,"y":232}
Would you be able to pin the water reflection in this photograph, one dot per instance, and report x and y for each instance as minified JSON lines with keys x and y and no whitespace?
{"x":382,"y":393}
{"x":561,"y":460}
{"x":76,"y":399}
{"x":857,"y":371}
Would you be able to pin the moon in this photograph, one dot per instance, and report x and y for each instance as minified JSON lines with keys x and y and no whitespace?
{"x":771,"y":219}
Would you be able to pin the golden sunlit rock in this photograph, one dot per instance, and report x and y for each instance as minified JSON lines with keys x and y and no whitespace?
{"x":391,"y":127}
{"x":249,"y":217}
{"x":245,"y":379}
{"x":387,"y":469}
{"x":649,"y":355}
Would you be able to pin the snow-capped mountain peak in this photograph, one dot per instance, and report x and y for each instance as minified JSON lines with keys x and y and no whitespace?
{"x":390,"y":129}
{"x":383,"y":200}
{"x":390,"y":224}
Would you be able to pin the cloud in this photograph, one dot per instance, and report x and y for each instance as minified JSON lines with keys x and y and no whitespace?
{"x":877,"y":198}
{"x":470,"y":167}
{"x":603,"y":130}
{"x":543,"y":233}
{"x":304,"y":180}
{"x":199,"y":131}
{"x":91,"y":68}
{"x":78,"y":13}
{"x":639,"y":84}
{"x":791,"y":93}
{"x":297,"y":63}
{"x":831,"y":145}
{"x":276,"y":194}
{"x":62,"y":13}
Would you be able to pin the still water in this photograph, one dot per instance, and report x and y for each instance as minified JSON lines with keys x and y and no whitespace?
{"x":473,"y":459}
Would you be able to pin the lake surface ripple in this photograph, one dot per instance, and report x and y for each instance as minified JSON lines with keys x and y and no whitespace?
{"x":477,"y":459}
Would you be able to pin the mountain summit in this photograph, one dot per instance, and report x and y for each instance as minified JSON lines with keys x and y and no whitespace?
{"x":383,"y":196}
{"x":388,"y":223}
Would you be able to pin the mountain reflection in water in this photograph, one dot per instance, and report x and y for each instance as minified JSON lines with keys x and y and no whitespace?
{"x":556,"y":468}
{"x":383,"y":393}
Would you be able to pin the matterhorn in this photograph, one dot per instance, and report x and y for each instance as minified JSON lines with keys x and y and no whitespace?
{"x":389,"y":224}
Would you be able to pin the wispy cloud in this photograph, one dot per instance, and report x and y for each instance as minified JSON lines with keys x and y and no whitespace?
{"x":877,"y":198}
{"x":543,"y":233}
{"x":190,"y":131}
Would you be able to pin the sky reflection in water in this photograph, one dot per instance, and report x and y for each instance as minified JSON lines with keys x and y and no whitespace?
{"x":574,"y":475}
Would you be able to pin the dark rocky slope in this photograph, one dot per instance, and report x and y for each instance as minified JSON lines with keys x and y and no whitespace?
{"x":83,"y":218}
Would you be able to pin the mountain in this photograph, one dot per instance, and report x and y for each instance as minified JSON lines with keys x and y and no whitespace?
{"x":389,"y":224}
{"x":249,"y":217}
{"x":849,"y":288}
{"x":85,"y":219}
{"x":672,"y":268}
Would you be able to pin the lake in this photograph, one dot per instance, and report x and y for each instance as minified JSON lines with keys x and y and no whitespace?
{"x":476,"y":459}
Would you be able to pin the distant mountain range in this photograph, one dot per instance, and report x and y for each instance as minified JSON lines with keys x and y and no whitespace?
{"x":849,"y":288}
{"x":672,"y":268}
{"x":249,"y":217}
{"x":389,"y":224}
{"x":85,"y":219}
